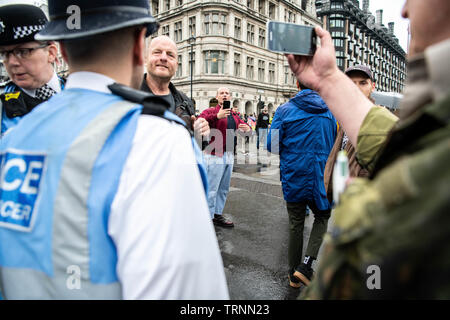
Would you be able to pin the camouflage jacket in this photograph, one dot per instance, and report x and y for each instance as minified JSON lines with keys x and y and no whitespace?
{"x":391,"y":237}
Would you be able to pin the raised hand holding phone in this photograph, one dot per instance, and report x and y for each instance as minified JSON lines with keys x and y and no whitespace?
{"x":291,"y":38}
{"x":226,"y":104}
{"x":225,"y":111}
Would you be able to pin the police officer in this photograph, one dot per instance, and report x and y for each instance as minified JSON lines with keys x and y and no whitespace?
{"x":85,"y":208}
{"x":29,"y":63}
{"x":390,"y":238}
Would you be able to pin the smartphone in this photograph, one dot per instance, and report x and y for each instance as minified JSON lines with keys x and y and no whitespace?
{"x":291,"y":38}
{"x":226,"y":104}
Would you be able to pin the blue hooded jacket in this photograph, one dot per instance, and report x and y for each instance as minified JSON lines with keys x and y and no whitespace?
{"x":303,"y":131}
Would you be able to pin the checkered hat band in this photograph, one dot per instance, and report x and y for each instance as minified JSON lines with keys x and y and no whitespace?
{"x":24,"y":31}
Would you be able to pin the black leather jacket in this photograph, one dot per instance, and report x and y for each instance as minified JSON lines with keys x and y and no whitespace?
{"x":184,"y":108}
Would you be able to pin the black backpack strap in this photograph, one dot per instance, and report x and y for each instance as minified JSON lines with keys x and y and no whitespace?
{"x":152,"y":105}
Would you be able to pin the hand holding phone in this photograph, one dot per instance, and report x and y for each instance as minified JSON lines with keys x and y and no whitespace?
{"x":225,"y":111}
{"x":291,"y":38}
{"x":226,"y":104}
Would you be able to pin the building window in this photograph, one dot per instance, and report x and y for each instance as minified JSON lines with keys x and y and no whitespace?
{"x":262,"y":7}
{"x":261,"y":70}
{"x":250,"y":4}
{"x":237,"y":65}
{"x":192,"y":30}
{"x":166,"y":30}
{"x":305,"y":3}
{"x":250,"y":68}
{"x":215,"y":23}
{"x":237,"y":28}
{"x":178,"y":31}
{"x":214,"y":62}
{"x":262,"y":38}
{"x":271,"y":10}
{"x":351,"y":28}
{"x":338,"y":34}
{"x":250,"y":33}
{"x":338,"y":42}
{"x":340,"y":62}
{"x":337,"y":5}
{"x":179,"y":2}
{"x":286,"y":74}
{"x":289,"y":16}
{"x":271,"y":72}
{"x":350,"y":47}
{"x":179,"y":72}
{"x":336,"y":23}
{"x":167,"y":5}
{"x":155,"y":7}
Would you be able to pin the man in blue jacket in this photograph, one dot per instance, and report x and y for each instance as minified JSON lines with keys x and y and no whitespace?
{"x":303,"y":132}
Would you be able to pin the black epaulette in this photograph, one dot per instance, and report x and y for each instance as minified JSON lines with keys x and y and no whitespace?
{"x":152,"y":104}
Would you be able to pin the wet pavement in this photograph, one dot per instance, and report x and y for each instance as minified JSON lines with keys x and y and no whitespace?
{"x":254,"y":252}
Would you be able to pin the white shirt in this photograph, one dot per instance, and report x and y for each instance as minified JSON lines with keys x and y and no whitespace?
{"x":159,"y":219}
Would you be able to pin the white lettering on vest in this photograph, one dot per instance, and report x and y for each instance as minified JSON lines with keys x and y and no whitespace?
{"x":14,"y":210}
{"x":26,"y":188}
{"x":18,"y":163}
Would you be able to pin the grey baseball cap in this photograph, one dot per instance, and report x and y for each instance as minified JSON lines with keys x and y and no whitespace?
{"x":360,"y":68}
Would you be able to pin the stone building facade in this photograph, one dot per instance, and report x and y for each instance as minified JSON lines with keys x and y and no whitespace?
{"x":361,"y":38}
{"x":230,"y":48}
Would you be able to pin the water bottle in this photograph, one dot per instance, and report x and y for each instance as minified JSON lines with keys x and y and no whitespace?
{"x":340,"y":175}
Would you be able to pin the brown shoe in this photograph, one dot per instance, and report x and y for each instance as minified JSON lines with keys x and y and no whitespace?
{"x":220,"y":221}
{"x":294,"y":282}
{"x":304,"y":274}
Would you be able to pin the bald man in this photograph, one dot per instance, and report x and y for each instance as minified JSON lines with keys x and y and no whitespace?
{"x":219,"y":155}
{"x":162,"y":63}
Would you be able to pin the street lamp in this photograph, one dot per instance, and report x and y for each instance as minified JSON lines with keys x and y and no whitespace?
{"x":192,"y":42}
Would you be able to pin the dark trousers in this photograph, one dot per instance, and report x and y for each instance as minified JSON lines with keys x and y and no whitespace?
{"x":297,"y":213}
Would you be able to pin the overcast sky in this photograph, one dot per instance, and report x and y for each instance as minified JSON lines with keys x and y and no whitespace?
{"x":392,"y":13}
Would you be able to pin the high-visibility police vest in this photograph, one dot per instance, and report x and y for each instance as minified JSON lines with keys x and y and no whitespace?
{"x":56,"y":188}
{"x":21,"y":105}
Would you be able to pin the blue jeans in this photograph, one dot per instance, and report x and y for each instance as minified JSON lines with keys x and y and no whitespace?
{"x":262,"y":135}
{"x":219,"y":171}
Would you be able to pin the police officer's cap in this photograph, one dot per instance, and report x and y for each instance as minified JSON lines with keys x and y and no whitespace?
{"x":19,"y":23}
{"x":74,"y":19}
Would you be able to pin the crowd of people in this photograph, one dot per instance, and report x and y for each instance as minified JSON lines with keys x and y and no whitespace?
{"x":107,"y":190}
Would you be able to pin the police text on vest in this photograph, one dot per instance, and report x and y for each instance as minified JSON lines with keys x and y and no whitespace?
{"x":20,"y":179}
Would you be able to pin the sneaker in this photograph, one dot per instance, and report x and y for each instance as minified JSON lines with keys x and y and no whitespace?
{"x":304,"y":274}
{"x":294,"y":282}
{"x":219,"y":220}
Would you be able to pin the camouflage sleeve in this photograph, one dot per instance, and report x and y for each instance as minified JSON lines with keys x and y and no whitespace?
{"x":372,"y":135}
{"x":392,"y":224}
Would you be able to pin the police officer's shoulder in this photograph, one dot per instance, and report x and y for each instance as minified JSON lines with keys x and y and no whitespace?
{"x":151,"y":104}
{"x":8,"y":86}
